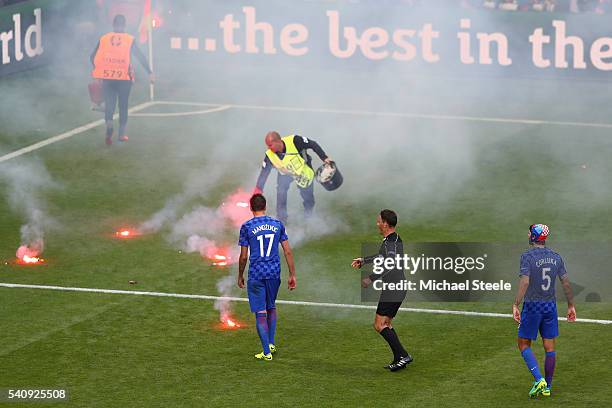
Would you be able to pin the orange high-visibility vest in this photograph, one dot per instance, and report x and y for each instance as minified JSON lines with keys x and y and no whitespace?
{"x":113,"y":59}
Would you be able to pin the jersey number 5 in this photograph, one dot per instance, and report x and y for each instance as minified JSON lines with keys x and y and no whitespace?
{"x":270,"y":238}
{"x":546,"y":278}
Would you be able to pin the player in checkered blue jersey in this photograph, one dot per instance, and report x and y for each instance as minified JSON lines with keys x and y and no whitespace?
{"x":540,"y":266}
{"x":259,"y":240}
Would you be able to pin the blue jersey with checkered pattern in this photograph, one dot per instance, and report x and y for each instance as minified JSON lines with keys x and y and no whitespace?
{"x":544,"y":267}
{"x":263,"y":235}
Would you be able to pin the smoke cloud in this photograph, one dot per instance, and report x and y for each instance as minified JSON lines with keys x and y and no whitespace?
{"x":27,"y":183}
{"x":225,"y":288}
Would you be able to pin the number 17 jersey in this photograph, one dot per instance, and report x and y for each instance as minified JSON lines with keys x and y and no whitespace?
{"x":263,"y":235}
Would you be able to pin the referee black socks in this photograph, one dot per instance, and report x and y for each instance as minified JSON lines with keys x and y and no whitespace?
{"x":391,"y":338}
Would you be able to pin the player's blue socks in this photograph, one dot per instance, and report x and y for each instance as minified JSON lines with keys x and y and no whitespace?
{"x":271,"y":325}
{"x":532,"y":363}
{"x":549,"y":366}
{"x":262,"y":330}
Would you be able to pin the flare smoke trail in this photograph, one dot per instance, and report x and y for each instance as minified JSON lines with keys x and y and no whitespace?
{"x":27,"y":182}
{"x":204,"y":228}
{"x":317,"y":226}
{"x":196,"y":185}
{"x":224,"y":287}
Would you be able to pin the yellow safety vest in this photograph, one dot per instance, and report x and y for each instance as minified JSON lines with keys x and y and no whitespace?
{"x":292,"y":164}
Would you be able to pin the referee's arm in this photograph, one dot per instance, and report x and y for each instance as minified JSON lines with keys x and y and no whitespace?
{"x":385,"y":251}
{"x":370,"y":259}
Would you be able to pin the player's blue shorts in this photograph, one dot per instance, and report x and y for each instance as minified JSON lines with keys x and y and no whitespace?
{"x":262,"y":294}
{"x":539,"y":317}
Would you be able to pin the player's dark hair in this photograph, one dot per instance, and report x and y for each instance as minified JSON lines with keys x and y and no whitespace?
{"x":119,"y":21}
{"x":258,"y":202}
{"x":389,"y":216}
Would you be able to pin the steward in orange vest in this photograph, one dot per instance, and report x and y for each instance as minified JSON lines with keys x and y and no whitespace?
{"x":112,"y":64}
{"x":112,"y":59}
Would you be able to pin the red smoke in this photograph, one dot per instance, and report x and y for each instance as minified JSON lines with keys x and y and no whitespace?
{"x":220,"y":256}
{"x":28,"y":256}
{"x":127,"y":233}
{"x":230,"y":324}
{"x":235,"y":207}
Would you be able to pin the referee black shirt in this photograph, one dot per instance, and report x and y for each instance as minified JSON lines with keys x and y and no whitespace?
{"x":391,"y":246}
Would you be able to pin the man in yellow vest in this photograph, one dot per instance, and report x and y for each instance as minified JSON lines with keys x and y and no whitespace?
{"x":288,"y":155}
{"x":112,"y":61}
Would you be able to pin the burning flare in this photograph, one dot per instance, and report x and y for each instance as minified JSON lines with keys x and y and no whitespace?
{"x":220,"y":260}
{"x":231,"y":324}
{"x":220,"y":256}
{"x":126,"y":233}
{"x":28,"y":256}
{"x":228,"y":323}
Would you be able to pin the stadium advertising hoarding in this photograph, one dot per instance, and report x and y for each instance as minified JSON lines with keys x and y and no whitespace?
{"x":429,"y":40}
{"x":26,"y":34}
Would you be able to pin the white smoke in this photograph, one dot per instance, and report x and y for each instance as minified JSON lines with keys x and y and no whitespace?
{"x":203,"y":229}
{"x":225,"y":287}
{"x":199,"y":224}
{"x":198,"y":184}
{"x":316,"y":226}
{"x":27,"y":182}
{"x":197,"y":243}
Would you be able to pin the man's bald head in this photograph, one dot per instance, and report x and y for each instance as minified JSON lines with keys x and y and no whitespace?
{"x":272,"y":137}
{"x":274,"y":142}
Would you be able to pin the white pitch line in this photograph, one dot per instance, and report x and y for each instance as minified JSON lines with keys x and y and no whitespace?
{"x":174,"y":114}
{"x":283,"y":302}
{"x":400,"y":115}
{"x":66,"y":135}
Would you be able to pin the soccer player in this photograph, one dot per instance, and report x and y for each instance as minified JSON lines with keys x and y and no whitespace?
{"x":390,"y":301}
{"x":259,"y":240}
{"x":539,"y":269}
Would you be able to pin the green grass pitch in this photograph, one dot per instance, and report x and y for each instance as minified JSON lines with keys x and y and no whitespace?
{"x":118,"y":350}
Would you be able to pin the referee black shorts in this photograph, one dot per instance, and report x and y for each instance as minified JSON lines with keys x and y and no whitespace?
{"x":388,"y":309}
{"x":390,"y":302}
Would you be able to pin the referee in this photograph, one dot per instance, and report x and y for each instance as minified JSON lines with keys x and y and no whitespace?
{"x":390,"y":300}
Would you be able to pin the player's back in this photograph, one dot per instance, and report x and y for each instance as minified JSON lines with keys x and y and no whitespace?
{"x":544,"y":267}
{"x":263,"y":235}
